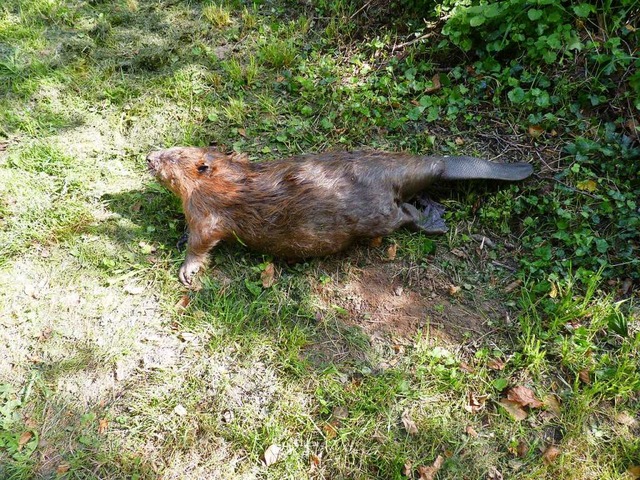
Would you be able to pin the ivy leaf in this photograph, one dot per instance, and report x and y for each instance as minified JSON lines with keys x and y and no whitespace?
{"x":516,"y":95}
{"x":583,"y":9}
{"x":534,"y":14}
{"x":477,"y":20}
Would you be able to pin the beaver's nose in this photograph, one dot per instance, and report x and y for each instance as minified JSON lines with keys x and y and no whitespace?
{"x":153,"y":158}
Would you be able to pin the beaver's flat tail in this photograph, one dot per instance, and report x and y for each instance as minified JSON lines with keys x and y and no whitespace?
{"x":470,"y":168}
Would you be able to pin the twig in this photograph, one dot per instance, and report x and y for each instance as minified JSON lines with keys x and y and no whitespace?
{"x":411,"y":42}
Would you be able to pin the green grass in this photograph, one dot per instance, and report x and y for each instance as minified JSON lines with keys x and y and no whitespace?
{"x":110,"y":369}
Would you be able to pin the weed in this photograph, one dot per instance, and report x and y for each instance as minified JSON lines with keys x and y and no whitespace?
{"x":216,"y":14}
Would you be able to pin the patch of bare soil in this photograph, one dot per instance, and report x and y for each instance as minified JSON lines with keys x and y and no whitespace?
{"x":397,"y":299}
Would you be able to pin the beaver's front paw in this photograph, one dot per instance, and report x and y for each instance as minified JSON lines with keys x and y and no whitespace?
{"x":188,"y":270}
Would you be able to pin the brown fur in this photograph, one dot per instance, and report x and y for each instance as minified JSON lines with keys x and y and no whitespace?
{"x":307,"y":206}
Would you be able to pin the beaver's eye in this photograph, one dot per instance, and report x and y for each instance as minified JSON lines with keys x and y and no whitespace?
{"x":203,"y":168}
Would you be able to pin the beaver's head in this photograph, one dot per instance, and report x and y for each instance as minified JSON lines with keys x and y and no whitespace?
{"x":182,"y":169}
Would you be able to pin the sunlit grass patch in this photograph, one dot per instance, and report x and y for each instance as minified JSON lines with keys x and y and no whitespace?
{"x":216,"y":14}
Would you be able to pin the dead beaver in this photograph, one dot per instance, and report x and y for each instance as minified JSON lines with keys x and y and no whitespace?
{"x":312,"y":205}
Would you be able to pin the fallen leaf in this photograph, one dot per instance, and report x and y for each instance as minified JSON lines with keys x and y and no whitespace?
{"x":459,"y":141}
{"x":553,"y":293}
{"x":330,"y":430}
{"x":279,"y":78}
{"x":180,"y":410}
{"x":587,"y":186}
{"x":465,"y":367}
{"x":624,"y":418}
{"x":391,"y":251}
{"x":522,"y":449}
{"x":408,"y":423}
{"x":429,"y":473}
{"x":459,"y":253}
{"x":63,"y":468}
{"x":476,"y":403}
{"x":271,"y":454}
{"x":407,"y":469}
{"x":136,"y":207}
{"x":340,"y":413}
{"x":242,"y":132}
{"x":375,"y":242}
{"x":634,"y":471}
{"x":267,"y":276}
{"x":552,"y":404}
{"x":471,"y":432}
{"x":514,"y":409}
{"x":494,"y":474}
{"x":315,"y":460}
{"x":496,"y":364}
{"x":550,"y":454}
{"x":183,"y":303}
{"x":512,"y":286}
{"x":24,"y":439}
{"x":535,"y":131}
{"x":436,"y":84}
{"x":584,"y":376}
{"x":453,"y":290}
{"x":523,"y":396}
{"x":102,"y":425}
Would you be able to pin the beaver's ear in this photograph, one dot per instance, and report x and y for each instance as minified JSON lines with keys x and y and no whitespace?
{"x":207,"y":163}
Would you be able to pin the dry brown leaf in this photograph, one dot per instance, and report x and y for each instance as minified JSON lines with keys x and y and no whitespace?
{"x":315,"y":460}
{"x":496,"y":364}
{"x":523,"y":396}
{"x":330,"y":430}
{"x":494,"y":474}
{"x":63,"y":468}
{"x":550,"y":455}
{"x":471,"y":431}
{"x":268,"y":275}
{"x":408,"y":423}
{"x":24,"y":439}
{"x":634,"y":471}
{"x":279,"y":78}
{"x":102,"y":425}
{"x":375,"y":242}
{"x":535,"y":131}
{"x":459,"y":141}
{"x":136,"y":207}
{"x":242,"y":132}
{"x":437,"y":85}
{"x":584,"y":376}
{"x":623,"y":418}
{"x":407,"y":469}
{"x":429,"y":473}
{"x":552,"y":404}
{"x":183,"y":303}
{"x":512,"y":286}
{"x":465,"y":367}
{"x":476,"y":403}
{"x":271,"y":454}
{"x":522,"y":449}
{"x":453,"y":290}
{"x":514,"y":409}
{"x":392,"y":251}
{"x":340,"y":413}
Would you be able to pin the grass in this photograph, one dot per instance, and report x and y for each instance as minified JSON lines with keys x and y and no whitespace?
{"x":109,"y":369}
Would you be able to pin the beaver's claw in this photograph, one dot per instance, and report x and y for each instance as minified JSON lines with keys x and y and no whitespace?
{"x":188,"y":270}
